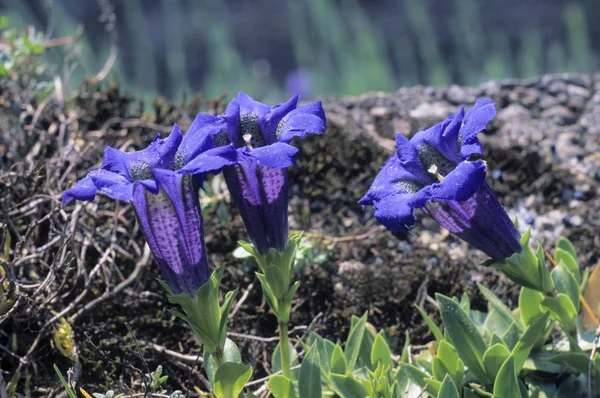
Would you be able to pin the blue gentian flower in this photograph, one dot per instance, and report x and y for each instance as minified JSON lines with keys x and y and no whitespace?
{"x":161,"y":181}
{"x":258,"y":184}
{"x":439,"y":171}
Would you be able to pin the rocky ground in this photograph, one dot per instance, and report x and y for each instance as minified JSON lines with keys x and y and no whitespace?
{"x":87,"y":264}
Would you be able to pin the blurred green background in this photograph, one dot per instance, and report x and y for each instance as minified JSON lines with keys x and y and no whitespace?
{"x":270,"y":48}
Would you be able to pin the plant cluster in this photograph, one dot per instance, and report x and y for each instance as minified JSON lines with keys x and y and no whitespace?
{"x":542,"y":348}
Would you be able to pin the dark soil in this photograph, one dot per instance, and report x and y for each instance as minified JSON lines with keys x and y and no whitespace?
{"x":542,"y":153}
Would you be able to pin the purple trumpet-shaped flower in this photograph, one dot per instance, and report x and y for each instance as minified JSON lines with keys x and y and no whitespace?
{"x":259,"y":182}
{"x":439,"y":171}
{"x":161,"y":181}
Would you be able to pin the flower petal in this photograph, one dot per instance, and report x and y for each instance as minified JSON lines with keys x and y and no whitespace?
{"x":276,"y":156}
{"x":200,"y":137}
{"x":137,"y":165}
{"x":395,"y":212}
{"x":83,"y":190}
{"x":461,"y":183}
{"x":307,"y":119}
{"x":112,"y":184}
{"x":211,"y":161}
{"x":249,"y":106}
{"x":475,"y":121}
{"x":275,"y":115}
{"x":443,"y":137}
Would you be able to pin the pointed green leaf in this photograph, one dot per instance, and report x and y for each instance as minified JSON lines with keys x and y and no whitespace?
{"x":565,"y":283}
{"x":404,"y":357}
{"x":418,"y":377}
{"x":309,"y":378}
{"x":435,"y":330}
{"x":347,"y":386}
{"x":499,"y":306}
{"x":338,"y":361}
{"x":528,"y":339}
{"x":355,"y":337}
{"x":506,"y":384}
{"x":268,"y":293}
{"x":562,"y":309}
{"x":464,"y":336}
{"x":381,"y":352}
{"x":230,"y":379}
{"x":530,"y":305}
{"x":566,"y":245}
{"x":563,"y":256}
{"x":493,"y":359}
{"x":448,"y":389}
{"x":511,"y":336}
{"x":281,"y":387}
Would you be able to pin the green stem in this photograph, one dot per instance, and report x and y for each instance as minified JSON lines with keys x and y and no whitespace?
{"x":218,"y":356}
{"x":284,"y":349}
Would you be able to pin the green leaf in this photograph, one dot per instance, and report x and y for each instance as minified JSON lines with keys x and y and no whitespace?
{"x":565,"y":283}
{"x":562,"y":309}
{"x":402,"y":378}
{"x":563,"y":256}
{"x":578,"y":361}
{"x":566,"y":245}
{"x":499,"y":306}
{"x":68,"y":388}
{"x":530,"y":305}
{"x":268,"y":293}
{"x":347,"y":386}
{"x":230,"y":379}
{"x":309,"y":378}
{"x":338,"y":361}
{"x":417,"y":376}
{"x":355,"y":337}
{"x":404,"y":356}
{"x":434,"y":385}
{"x":511,"y":336}
{"x":276,"y":280}
{"x":435,"y":330}
{"x":528,"y":339}
{"x":464,"y":336}
{"x":276,"y":358}
{"x":506,"y":384}
{"x":325,"y":348}
{"x":448,"y":389}
{"x":493,"y":359}
{"x":231,"y":353}
{"x":281,"y":387}
{"x":366,"y":346}
{"x":448,"y":356}
{"x":381,"y":352}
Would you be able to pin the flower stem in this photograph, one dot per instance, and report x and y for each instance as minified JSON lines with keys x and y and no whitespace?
{"x":218,"y":357}
{"x":284,"y":349}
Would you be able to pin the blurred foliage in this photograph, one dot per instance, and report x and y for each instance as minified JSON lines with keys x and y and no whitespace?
{"x":22,"y":66}
{"x":344,"y":48}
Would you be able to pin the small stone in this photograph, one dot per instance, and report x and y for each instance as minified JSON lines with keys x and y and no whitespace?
{"x":567,"y":194}
{"x":381,"y":112}
{"x":513,"y":113}
{"x":559,"y":115}
{"x":497,"y":174}
{"x":459,"y":95}
{"x":576,"y":221}
{"x":548,"y":101}
{"x":529,"y":220}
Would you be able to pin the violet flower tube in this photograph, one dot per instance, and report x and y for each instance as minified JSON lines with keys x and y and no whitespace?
{"x":161,"y":181}
{"x":259,"y":182}
{"x":439,"y":171}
